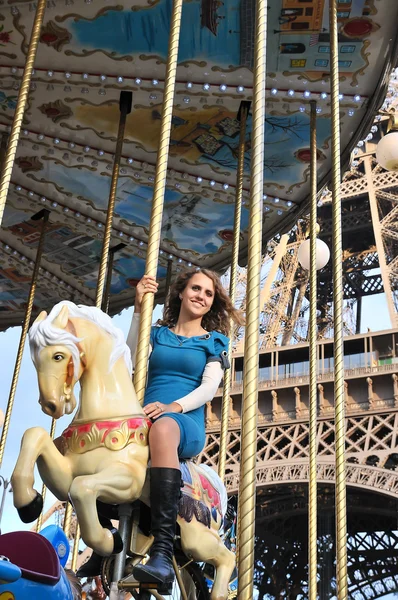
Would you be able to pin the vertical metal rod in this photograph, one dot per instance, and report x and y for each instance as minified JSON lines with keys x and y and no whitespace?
{"x":222,"y":455}
{"x":312,"y":492}
{"x":39,"y":522}
{"x":125,"y":511}
{"x":125,"y":109}
{"x":68,"y":519}
{"x":75,"y":552}
{"x":341,"y":501}
{"x":25,"y":327}
{"x":247,"y":486}
{"x":158,"y":201}
{"x":20,"y":108}
{"x":6,"y":485}
{"x":168,"y":277}
{"x":108,"y":281}
{"x":358,"y":315}
{"x":3,"y":148}
{"x":179,"y":580}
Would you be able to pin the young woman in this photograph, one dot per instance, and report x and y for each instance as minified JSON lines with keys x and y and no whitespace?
{"x":188,"y":356}
{"x":187,"y":359}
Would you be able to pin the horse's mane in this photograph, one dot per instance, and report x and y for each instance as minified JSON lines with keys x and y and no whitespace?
{"x":44,"y":334}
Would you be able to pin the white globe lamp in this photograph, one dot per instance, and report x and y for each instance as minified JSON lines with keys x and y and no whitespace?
{"x":322,"y":254}
{"x":387,"y":152}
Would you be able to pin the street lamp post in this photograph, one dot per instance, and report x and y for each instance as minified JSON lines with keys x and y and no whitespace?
{"x":6,"y":485}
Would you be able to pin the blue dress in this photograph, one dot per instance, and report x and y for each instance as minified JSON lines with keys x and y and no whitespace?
{"x":175,"y":369}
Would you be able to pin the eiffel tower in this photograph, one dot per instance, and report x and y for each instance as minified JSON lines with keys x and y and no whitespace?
{"x":370,"y":234}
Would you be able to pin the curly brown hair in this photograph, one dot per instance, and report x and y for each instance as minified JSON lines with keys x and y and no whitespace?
{"x":222,"y":309}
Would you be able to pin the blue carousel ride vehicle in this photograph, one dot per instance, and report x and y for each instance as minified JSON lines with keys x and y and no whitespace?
{"x":32,"y":566}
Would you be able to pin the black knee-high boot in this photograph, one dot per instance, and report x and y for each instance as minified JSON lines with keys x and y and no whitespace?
{"x":164,"y":494}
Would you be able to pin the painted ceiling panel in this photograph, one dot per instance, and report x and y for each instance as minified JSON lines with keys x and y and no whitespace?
{"x":89,"y":53}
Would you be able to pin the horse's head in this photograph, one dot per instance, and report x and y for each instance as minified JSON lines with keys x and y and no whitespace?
{"x":59,"y":360}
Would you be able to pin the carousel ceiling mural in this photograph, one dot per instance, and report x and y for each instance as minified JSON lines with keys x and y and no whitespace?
{"x":89,"y":53}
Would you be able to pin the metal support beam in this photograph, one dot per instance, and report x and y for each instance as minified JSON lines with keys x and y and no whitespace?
{"x":379,"y":241}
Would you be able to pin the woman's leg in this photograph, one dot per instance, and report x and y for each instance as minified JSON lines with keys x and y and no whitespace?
{"x":165,"y":485}
{"x":164,"y":438}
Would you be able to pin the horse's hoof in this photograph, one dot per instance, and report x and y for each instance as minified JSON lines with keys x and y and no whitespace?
{"x":31,"y":511}
{"x":117,"y":541}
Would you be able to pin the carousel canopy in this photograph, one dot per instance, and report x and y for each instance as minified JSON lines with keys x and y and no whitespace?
{"x":89,"y":52}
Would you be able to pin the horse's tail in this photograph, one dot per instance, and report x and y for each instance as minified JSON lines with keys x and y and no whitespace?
{"x":218,"y":485}
{"x":75,"y":585}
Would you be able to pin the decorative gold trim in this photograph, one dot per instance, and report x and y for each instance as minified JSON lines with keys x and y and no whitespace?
{"x":365,"y":55}
{"x":57,"y":161}
{"x":307,"y":76}
{"x":79,"y":128}
{"x":47,"y":181}
{"x":112,"y":55}
{"x":11,"y":56}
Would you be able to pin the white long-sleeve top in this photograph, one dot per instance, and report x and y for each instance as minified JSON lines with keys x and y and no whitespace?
{"x":211,"y":378}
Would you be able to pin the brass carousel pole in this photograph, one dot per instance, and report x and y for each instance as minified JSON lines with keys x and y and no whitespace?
{"x":125,"y":108}
{"x":43,"y":214}
{"x":341,"y":504}
{"x":68,"y":518}
{"x":75,"y":552}
{"x":108,"y":281}
{"x":20,"y":108}
{"x":242,"y":117}
{"x":158,"y":200}
{"x":312,"y":491}
{"x":247,"y":486}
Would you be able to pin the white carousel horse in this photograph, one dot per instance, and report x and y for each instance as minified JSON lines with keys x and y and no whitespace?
{"x":103,"y":454}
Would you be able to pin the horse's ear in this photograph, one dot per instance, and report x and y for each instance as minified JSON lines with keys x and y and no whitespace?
{"x":41,"y":317}
{"x":61,"y":320}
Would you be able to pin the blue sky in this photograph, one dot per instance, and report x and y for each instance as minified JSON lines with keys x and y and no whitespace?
{"x":27,"y":412}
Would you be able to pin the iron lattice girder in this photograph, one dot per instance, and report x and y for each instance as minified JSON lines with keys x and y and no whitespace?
{"x":361,"y":261}
{"x":384,"y":195}
{"x":352,"y":222}
{"x":356,"y":284}
{"x":352,"y":188}
{"x":281,"y":538}
{"x":389,"y":223}
{"x":283,"y":452}
{"x":365,"y":590}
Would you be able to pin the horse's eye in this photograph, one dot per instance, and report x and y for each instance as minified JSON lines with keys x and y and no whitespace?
{"x":58,"y":357}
